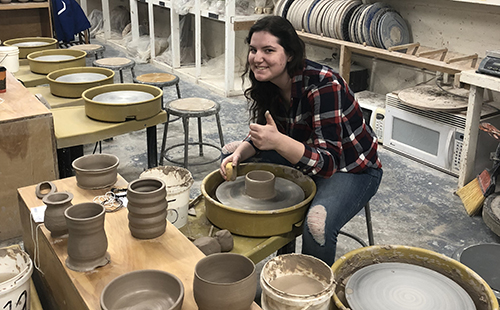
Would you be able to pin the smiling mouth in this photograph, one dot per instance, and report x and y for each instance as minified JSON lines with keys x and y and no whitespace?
{"x":260,"y":68}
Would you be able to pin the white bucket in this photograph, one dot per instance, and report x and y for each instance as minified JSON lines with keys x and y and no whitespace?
{"x":16,"y":268}
{"x":296,"y":282}
{"x":9,"y":58}
{"x":178,"y":182}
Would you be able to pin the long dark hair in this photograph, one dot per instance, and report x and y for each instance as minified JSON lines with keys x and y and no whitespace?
{"x":264,"y":95}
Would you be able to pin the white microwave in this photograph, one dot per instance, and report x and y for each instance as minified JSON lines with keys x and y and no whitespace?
{"x":435,"y":138}
{"x":373,"y":108}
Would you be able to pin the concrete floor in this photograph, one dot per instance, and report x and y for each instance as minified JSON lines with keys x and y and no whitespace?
{"x":415,"y":204}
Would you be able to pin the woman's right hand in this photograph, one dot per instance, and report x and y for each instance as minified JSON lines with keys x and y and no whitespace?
{"x":233,"y":159}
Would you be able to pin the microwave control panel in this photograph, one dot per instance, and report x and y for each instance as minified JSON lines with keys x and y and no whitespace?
{"x":379,"y":124}
{"x":457,"y":151}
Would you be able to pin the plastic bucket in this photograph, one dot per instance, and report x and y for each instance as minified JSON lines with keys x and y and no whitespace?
{"x":296,"y":282}
{"x":178,"y":182}
{"x":16,"y":268}
{"x":9,"y":58}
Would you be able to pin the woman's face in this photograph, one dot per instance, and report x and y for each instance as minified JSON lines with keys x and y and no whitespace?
{"x":267,"y":58}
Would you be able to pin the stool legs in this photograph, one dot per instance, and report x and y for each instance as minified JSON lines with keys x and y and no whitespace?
{"x":200,"y":137}
{"x":369,"y":227}
{"x":178,"y":90}
{"x":163,"y":141}
{"x":185,"y":123}
{"x":219,"y":128}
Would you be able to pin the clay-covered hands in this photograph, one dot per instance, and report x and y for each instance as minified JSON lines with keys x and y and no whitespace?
{"x":266,"y":137}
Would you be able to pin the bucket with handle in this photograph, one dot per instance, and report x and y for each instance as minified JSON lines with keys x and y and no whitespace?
{"x":16,"y":268}
{"x":9,"y":58}
{"x":178,"y":182}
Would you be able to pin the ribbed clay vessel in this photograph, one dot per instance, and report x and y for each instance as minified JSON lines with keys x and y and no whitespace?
{"x":54,"y":219}
{"x":87,"y":241}
{"x":147,"y":208}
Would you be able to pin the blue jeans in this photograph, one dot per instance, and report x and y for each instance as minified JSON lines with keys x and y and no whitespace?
{"x":338,"y":199}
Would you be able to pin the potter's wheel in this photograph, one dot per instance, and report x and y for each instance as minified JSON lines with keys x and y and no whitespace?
{"x":30,"y":44}
{"x":82,"y":77}
{"x":233,"y":194}
{"x":123,"y":96}
{"x":400,"y":286}
{"x":54,"y":57}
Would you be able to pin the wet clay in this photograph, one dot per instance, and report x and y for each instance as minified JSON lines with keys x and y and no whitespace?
{"x":225,"y":239}
{"x":208,"y":245}
{"x":298,"y":285}
{"x":259,"y":184}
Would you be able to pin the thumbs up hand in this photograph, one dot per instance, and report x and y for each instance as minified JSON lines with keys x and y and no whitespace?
{"x":265,"y":137}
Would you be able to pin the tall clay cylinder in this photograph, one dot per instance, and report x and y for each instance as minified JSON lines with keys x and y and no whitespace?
{"x":147,"y":208}
{"x":54,"y":219}
{"x":87,"y":241}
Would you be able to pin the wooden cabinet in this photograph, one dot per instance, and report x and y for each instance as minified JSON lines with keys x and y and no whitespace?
{"x":30,"y":19}
{"x":27,"y":150}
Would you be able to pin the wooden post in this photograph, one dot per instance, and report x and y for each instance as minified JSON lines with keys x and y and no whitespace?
{"x":345,"y":62}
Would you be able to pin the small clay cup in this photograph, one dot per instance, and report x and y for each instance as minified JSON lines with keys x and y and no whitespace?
{"x":54,"y":219}
{"x":96,"y":171}
{"x":259,"y":184}
{"x":87,"y":241}
{"x":44,"y":188}
{"x":224,"y":281}
{"x":143,"y":289}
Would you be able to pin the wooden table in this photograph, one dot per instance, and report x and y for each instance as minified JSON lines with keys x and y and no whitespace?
{"x":62,"y":288}
{"x":27,"y":150}
{"x":478,"y":83}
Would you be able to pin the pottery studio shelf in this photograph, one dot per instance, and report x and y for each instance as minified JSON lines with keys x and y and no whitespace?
{"x":63,"y":288}
{"x":29,"y":19}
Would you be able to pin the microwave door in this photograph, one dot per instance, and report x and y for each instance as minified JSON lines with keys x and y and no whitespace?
{"x":418,"y":137}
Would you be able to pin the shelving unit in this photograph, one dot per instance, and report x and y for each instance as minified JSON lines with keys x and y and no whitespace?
{"x":30,"y":19}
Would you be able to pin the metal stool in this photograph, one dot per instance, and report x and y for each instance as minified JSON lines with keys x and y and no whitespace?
{"x":159,"y":80}
{"x":117,"y":64}
{"x":369,"y":229}
{"x":186,"y":108}
{"x":90,"y":49}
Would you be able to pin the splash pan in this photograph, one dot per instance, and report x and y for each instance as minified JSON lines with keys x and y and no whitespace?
{"x":46,"y":61}
{"x":72,"y":82}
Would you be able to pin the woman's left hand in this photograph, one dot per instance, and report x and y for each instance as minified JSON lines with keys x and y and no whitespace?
{"x":265,"y":137}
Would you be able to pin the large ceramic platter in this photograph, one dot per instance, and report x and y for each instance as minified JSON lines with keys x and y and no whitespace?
{"x":353,"y":23}
{"x":319,"y":16}
{"x":279,"y":7}
{"x":431,"y":97}
{"x":401,"y":286}
{"x":286,"y":7}
{"x":332,"y":18}
{"x":325,"y":21}
{"x":374,"y":26}
{"x":393,"y":30}
{"x":372,"y":10}
{"x":346,"y":19}
{"x":232,"y":194}
{"x":314,"y":17}
{"x":360,"y":24}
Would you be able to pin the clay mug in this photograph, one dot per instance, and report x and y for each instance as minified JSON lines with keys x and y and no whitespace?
{"x":147,"y":208}
{"x":87,"y":241}
{"x":54,"y":219}
{"x":224,"y":281}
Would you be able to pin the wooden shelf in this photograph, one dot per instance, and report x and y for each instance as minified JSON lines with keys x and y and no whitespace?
{"x":23,"y":6}
{"x":29,"y":19}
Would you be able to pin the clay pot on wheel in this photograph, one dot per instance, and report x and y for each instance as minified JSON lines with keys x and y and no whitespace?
{"x":147,"y":208}
{"x":54,"y":219}
{"x":224,"y":281}
{"x":87,"y":241}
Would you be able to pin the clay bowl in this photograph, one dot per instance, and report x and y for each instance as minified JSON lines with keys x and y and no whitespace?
{"x":119,"y":111}
{"x":143,"y":289}
{"x":72,"y":82}
{"x":480,"y":292}
{"x":96,"y":171}
{"x":257,"y":223}
{"x":224,"y":281}
{"x":32,"y":44}
{"x":69,"y":59}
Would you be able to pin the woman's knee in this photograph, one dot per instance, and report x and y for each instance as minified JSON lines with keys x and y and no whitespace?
{"x":316,"y":223}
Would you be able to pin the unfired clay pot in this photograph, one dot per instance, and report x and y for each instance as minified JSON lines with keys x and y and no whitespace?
{"x":224,"y":281}
{"x":87,"y":242}
{"x":147,"y":208}
{"x":259,"y":184}
{"x":54,"y":218}
{"x":96,"y":171}
{"x":44,"y":188}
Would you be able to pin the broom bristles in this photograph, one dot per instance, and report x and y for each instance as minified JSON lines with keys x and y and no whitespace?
{"x":472,"y":197}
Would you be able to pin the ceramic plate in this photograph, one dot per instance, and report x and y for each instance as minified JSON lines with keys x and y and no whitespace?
{"x":346,"y":19}
{"x":123,"y":96}
{"x":401,"y":286}
{"x":307,"y":15}
{"x":319,"y":15}
{"x":393,"y":30}
{"x":81,"y":77}
{"x":372,"y":10}
{"x":286,"y":7}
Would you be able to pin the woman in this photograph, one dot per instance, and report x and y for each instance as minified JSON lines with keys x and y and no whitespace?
{"x":306,"y":117}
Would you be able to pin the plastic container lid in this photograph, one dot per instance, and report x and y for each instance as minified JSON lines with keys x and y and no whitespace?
{"x":7,"y":49}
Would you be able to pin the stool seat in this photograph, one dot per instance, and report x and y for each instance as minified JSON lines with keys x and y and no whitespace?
{"x":186,"y":108}
{"x":89,"y":48}
{"x":157,"y":79}
{"x":116,"y":63}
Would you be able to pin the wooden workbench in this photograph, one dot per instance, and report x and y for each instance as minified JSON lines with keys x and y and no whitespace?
{"x":27,"y":150}
{"x":62,"y":288}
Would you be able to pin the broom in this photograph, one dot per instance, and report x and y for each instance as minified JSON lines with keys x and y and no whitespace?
{"x":475,"y":192}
